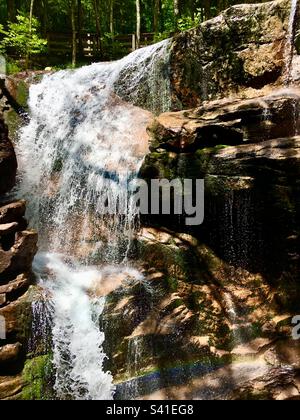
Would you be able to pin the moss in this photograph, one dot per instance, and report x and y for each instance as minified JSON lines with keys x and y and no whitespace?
{"x":253,"y":395}
{"x":22,"y":93}
{"x":37,"y":375}
{"x":172,"y":284}
{"x":196,"y":301}
{"x":256,"y":329}
{"x":12,"y":119}
{"x":225,"y":339}
{"x":175,"y":304}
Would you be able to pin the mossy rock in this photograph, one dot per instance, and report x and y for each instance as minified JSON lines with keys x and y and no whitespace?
{"x":37,"y":377}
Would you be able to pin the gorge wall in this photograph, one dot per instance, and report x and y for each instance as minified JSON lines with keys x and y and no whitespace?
{"x":240,"y":53}
{"x":222,"y":294}
{"x":18,"y":246}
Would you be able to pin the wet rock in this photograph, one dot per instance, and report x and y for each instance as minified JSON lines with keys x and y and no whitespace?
{"x":252,"y":348}
{"x":9,"y":353}
{"x":251,"y":196}
{"x":8,"y":228}
{"x":179,"y":311}
{"x":10,"y":387}
{"x":17,"y":317}
{"x":236,"y":53}
{"x":227,"y":122}
{"x":8,"y":161}
{"x":19,"y":257}
{"x":21,"y":282}
{"x":12,"y":212}
{"x":279,"y":384}
{"x":17,"y":249}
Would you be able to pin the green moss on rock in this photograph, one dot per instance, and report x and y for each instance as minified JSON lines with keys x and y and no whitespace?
{"x":37,"y":376}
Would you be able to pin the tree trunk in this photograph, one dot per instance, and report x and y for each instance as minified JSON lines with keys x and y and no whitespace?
{"x":192,"y":8}
{"x":98,"y":27}
{"x":157,"y":9}
{"x":79,"y":27}
{"x":31,"y":16}
{"x":44,"y":14}
{"x":176,"y":14}
{"x":11,"y":10}
{"x":112,"y":26}
{"x":30,"y":32}
{"x":111,"y":19}
{"x":138,"y":23}
{"x":74,"y":38}
{"x":207,"y":9}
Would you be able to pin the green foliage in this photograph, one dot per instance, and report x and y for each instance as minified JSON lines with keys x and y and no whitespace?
{"x":2,"y":48}
{"x":23,"y":36}
{"x":188,"y":22}
{"x":12,"y":67}
{"x":104,"y":18}
{"x":162,"y":36}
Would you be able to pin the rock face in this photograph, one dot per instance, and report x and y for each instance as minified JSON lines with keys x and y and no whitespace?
{"x":240,"y":51}
{"x":251,"y":183}
{"x":227,"y":122}
{"x":8,"y":161}
{"x":218,"y":299}
{"x":18,"y":246}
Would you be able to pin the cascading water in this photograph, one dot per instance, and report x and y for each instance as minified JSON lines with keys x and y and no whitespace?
{"x":81,"y":148}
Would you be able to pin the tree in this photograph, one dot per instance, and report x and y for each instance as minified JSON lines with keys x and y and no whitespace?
{"x":108,"y":19}
{"x":138,"y":23}
{"x":44,"y":16}
{"x":74,"y":37}
{"x":157,"y":17}
{"x":176,"y":14}
{"x":30,"y":31}
{"x":11,"y":10}
{"x":98,"y":27}
{"x":79,"y":27}
{"x":23,"y":37}
{"x":111,"y":19}
{"x":2,"y":47}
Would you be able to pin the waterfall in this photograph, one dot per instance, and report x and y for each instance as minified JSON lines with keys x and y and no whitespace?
{"x":85,"y":141}
{"x":289,"y":50}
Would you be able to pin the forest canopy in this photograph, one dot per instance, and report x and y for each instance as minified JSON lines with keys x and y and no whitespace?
{"x":68,"y":27}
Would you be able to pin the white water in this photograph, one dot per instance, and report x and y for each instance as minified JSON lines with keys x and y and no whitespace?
{"x":77,"y":353}
{"x":82,"y":145}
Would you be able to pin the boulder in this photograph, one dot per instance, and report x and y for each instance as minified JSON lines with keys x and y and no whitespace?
{"x":12,"y":212}
{"x":17,"y":319}
{"x":19,"y":257}
{"x":234,"y":54}
{"x":227,"y":122}
{"x":20,"y":283}
{"x":9,"y":353}
{"x":8,"y":228}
